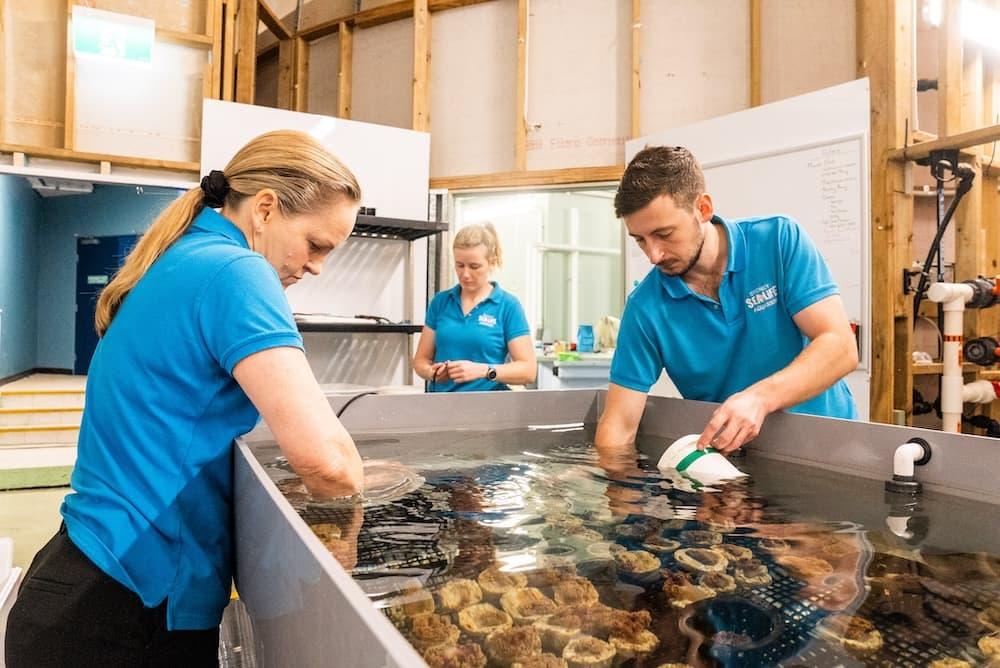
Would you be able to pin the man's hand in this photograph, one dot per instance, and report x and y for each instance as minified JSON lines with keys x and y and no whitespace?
{"x":464,"y":371}
{"x":735,"y":422}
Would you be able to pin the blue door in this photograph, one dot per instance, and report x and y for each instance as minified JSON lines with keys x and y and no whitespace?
{"x":97,"y":260}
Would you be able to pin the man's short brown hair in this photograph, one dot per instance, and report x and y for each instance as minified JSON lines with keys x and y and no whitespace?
{"x":656,"y":171}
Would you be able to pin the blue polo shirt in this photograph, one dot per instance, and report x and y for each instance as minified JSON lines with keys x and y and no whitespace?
{"x":480,"y":336}
{"x":714,"y":349}
{"x":152,"y":488}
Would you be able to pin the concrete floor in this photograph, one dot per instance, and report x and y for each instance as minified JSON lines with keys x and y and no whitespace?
{"x":30,"y":517}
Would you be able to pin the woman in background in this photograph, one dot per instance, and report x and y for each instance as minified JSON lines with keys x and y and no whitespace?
{"x":471,"y":330}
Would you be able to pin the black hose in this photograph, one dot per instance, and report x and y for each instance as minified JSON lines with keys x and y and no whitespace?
{"x":964,"y":186}
{"x":354,"y":398}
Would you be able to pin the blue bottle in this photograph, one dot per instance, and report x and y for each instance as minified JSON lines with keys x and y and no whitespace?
{"x":585,"y":339}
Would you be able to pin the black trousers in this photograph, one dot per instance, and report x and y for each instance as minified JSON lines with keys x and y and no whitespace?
{"x":69,"y":613}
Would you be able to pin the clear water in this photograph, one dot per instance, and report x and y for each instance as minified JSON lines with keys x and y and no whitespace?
{"x":527,"y":501}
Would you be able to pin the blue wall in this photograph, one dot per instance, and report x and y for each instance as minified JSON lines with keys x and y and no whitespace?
{"x":20,"y":213}
{"x":109,"y":210}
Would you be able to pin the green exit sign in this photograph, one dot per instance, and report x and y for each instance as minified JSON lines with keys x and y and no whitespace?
{"x":97,"y":33}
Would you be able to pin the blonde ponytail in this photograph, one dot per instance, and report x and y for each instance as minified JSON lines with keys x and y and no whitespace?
{"x":474,"y":235}
{"x":304,"y":175}
{"x":168,"y":228}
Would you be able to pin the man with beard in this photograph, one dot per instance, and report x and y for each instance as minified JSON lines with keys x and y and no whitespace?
{"x":741,"y":312}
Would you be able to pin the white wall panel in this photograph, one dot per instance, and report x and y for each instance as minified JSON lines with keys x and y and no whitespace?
{"x":579,"y":82}
{"x":686,"y":76}
{"x":473,"y":76}
{"x":382,"y":90}
{"x":806,"y":45}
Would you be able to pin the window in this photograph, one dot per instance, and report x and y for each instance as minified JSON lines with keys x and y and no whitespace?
{"x":562,"y":254}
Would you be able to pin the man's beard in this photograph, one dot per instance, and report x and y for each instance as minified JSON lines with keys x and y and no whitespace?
{"x":693,"y":261}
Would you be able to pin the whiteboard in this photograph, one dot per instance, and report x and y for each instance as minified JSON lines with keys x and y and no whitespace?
{"x":807,"y":158}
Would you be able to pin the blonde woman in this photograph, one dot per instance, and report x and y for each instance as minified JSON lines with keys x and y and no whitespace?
{"x":197,"y":341}
{"x":475,"y":335}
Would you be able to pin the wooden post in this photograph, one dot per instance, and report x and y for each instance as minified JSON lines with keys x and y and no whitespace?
{"x":346,"y":36}
{"x":246,"y":51}
{"x":989,"y":319}
{"x":969,"y":229}
{"x":69,"y":128}
{"x":301,"y":79}
{"x":950,"y":69}
{"x":214,"y":28}
{"x":884,"y":55}
{"x":755,"y":52}
{"x":229,"y":52}
{"x":286,"y":73}
{"x":521,"y":94}
{"x":421,"y":66}
{"x":636,"y":63}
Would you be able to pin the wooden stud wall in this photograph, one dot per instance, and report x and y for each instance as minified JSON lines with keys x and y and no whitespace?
{"x":636,"y":62}
{"x":346,"y":67}
{"x":521,"y":92}
{"x":755,"y":53}
{"x":421,"y":66}
{"x":246,"y":50}
{"x":884,"y":55}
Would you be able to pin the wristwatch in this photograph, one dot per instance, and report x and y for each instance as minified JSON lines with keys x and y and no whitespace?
{"x":491,"y":373}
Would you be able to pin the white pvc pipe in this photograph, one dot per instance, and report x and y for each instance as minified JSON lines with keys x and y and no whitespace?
{"x":980,"y":392}
{"x":902,"y":461}
{"x":898,"y":525}
{"x":953,"y":296}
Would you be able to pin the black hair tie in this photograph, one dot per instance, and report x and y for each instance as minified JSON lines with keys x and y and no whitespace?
{"x":216,"y":187}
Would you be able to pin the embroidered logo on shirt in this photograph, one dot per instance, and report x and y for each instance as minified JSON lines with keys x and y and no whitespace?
{"x":487,"y":320}
{"x":762,"y":297}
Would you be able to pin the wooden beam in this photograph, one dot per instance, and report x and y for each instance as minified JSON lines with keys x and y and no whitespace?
{"x":884,"y":55}
{"x":293,"y":74}
{"x":229,"y":52}
{"x":83,"y":156}
{"x":989,"y":319}
{"x":246,"y":51}
{"x":950,"y":69}
{"x":301,"y":79}
{"x":215,"y":21}
{"x":184,"y":38}
{"x":286,"y":73}
{"x":755,"y":53}
{"x":522,"y":179}
{"x":395,"y":11}
{"x":346,"y":70}
{"x":961,"y":140}
{"x":421,"y":66}
{"x":636,"y":62}
{"x":271,"y":20}
{"x":970,"y":255}
{"x":521,"y":89}
{"x":69,"y":129}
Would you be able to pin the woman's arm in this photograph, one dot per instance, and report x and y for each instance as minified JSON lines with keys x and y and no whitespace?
{"x":521,"y":370}
{"x":523,"y":366}
{"x":423,"y":359}
{"x":281,"y":385}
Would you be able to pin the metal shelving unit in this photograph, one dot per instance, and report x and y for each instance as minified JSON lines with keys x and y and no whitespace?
{"x":394,"y":229}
